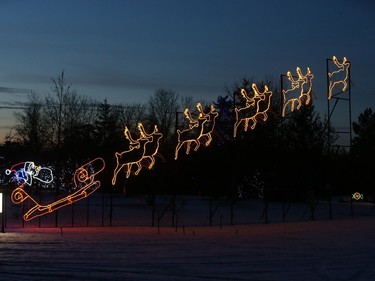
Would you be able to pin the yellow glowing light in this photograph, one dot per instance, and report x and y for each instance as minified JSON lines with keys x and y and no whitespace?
{"x":199,"y":131}
{"x":357,"y":196}
{"x":304,"y":84}
{"x":152,"y":148}
{"x":83,"y":180}
{"x":336,"y":77}
{"x":141,"y":150}
{"x":256,"y":106}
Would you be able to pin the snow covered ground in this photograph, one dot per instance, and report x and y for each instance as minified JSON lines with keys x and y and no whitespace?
{"x":300,"y":250}
{"x":313,"y":250}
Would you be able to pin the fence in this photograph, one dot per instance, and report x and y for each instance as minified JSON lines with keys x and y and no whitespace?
{"x":111,"y":210}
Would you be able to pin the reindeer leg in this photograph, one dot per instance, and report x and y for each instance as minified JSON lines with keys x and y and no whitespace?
{"x":188,"y":143}
{"x":330,"y":88}
{"x":117,"y":169}
{"x":265,"y":116}
{"x":178,"y":147}
{"x":283,"y":113}
{"x":139,"y":168}
{"x":254,"y":123}
{"x":299,"y":103}
{"x":292,"y":106}
{"x":235,"y":129}
{"x":197,"y":145}
{"x":246,"y":123}
{"x":152,"y":159}
{"x":128,"y":169}
{"x":345,"y":85}
{"x":209,"y":139}
{"x":308,"y":99}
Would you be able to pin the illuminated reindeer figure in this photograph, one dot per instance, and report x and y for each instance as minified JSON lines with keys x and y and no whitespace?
{"x":209,"y":126}
{"x":300,"y":83}
{"x":133,"y":156}
{"x":287,"y":100}
{"x":140,"y":150}
{"x":335,"y":77}
{"x":255,"y":106}
{"x":194,"y":132}
{"x":263,"y":104}
{"x":152,"y":147}
{"x":243,"y":112}
{"x":305,"y":95}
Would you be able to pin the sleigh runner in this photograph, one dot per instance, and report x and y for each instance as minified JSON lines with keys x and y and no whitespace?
{"x":84,"y":181}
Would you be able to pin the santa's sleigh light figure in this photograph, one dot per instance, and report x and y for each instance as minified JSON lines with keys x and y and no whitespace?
{"x":84,"y":181}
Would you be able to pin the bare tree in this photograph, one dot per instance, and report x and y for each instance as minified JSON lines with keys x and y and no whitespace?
{"x":31,"y":128}
{"x":186,"y":103}
{"x":55,"y":108}
{"x":67,"y":112}
{"x":162,"y":108}
{"x":78,"y":121}
{"x":131,"y":114}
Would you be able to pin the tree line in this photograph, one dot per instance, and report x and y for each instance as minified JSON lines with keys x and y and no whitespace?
{"x":285,"y":158}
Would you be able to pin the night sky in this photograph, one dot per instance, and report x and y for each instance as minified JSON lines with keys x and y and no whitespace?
{"x":123,"y":51}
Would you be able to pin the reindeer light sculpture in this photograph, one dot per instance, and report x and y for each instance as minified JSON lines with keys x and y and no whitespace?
{"x":256,"y":106}
{"x":141,"y":150}
{"x":200,"y":129}
{"x":303,"y":84}
{"x":339,"y":76}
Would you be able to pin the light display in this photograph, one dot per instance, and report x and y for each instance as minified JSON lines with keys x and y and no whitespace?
{"x":257,"y":105}
{"x":141,"y":152}
{"x":199,"y":131}
{"x":27,"y":171}
{"x":304,"y":85}
{"x":357,"y":196}
{"x":84,"y":181}
{"x":152,"y":148}
{"x":339,"y":76}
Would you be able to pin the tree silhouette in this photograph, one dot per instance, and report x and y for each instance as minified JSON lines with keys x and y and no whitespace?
{"x":363,"y":151}
{"x":31,"y":127}
{"x":162,"y":108}
{"x":106,"y":125}
{"x":364,"y":141}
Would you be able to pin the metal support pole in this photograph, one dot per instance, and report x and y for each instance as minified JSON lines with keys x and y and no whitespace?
{"x":2,"y":213}
{"x":87,"y":211}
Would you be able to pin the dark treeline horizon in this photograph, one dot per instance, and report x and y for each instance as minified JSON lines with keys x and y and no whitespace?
{"x":283,"y":158}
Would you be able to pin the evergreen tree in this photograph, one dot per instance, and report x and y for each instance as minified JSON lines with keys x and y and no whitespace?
{"x":106,"y":126}
{"x":364,"y":142}
{"x":363,"y":152}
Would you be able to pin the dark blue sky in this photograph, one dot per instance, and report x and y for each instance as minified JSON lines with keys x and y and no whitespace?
{"x":125,"y":50}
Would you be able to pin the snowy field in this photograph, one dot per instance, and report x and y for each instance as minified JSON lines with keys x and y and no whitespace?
{"x":300,"y":249}
{"x":309,"y":250}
